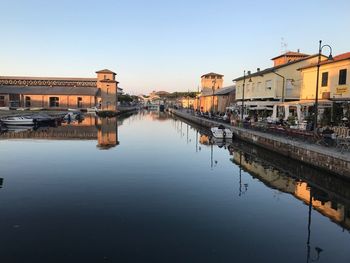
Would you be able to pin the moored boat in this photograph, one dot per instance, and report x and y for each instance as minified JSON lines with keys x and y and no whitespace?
{"x":18,"y":120}
{"x":92,"y":110}
{"x":221,"y":132}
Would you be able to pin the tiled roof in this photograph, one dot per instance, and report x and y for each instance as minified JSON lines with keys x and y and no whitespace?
{"x":291,"y":54}
{"x":207,"y":92}
{"x":211,"y":74}
{"x":40,"y":90}
{"x":338,"y":58}
{"x":47,"y":78}
{"x":106,"y":71}
{"x":225,"y":90}
{"x":268,"y":70}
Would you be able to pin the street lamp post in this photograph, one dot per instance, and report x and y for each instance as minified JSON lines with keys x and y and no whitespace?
{"x":188,"y":100}
{"x":317,"y":78}
{"x":243,"y":88}
{"x":242,"y":115}
{"x":283,"y":84}
{"x":212,"y":100}
{"x":198,"y":99}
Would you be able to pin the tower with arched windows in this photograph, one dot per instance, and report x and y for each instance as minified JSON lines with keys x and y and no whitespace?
{"x":108,"y":87}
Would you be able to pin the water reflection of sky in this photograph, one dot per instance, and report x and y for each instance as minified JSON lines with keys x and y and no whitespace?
{"x":155,"y":197}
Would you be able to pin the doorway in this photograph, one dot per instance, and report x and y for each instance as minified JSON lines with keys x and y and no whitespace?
{"x":2,"y":101}
{"x":79,"y":102}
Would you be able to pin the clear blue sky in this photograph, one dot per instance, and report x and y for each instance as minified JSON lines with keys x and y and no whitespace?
{"x":159,"y":44}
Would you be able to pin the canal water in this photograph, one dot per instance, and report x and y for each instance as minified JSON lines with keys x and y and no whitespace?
{"x":152,"y":188}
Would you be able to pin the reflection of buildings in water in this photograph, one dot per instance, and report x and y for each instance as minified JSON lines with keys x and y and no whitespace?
{"x":204,"y":139}
{"x":322,"y":203}
{"x":88,"y":120}
{"x":274,"y":178}
{"x":90,"y":128}
{"x":130,"y":116}
{"x":157,"y":115}
{"x":107,"y":134}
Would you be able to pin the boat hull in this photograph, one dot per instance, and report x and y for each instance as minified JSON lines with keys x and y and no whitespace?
{"x":222,"y":133}
{"x":18,"y":122}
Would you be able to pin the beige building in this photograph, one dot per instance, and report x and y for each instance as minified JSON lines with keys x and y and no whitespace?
{"x":210,"y":83}
{"x":282,"y":82}
{"x":60,"y":93}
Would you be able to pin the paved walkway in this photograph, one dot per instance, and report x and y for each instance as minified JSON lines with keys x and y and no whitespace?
{"x":331,"y":151}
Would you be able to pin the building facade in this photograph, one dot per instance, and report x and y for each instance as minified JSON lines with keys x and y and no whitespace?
{"x":188,"y":102}
{"x":60,"y":93}
{"x":282,"y":82}
{"x":334,"y":79}
{"x":225,"y":97}
{"x":210,"y":83}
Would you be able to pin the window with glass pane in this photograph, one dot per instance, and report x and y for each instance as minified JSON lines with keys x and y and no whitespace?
{"x":54,"y":101}
{"x":268,"y":84}
{"x":324,"y":79}
{"x":342,"y":76}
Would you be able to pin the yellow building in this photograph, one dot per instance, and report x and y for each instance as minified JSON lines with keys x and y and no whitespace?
{"x":334,"y":79}
{"x":188,"y":102}
{"x":209,"y":84}
{"x":282,"y":82}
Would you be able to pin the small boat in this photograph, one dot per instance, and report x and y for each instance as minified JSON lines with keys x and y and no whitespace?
{"x":36,"y":109}
{"x":5,"y":108}
{"x":18,"y":120}
{"x":161,"y":107}
{"x":221,"y":132}
{"x":73,"y":116}
{"x":42,"y":117}
{"x":93,"y":109}
{"x":2,"y":127}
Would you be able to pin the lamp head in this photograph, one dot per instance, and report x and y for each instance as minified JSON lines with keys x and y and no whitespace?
{"x":330,"y":57}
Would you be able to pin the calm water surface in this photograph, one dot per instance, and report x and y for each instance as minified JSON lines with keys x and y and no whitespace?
{"x":154,"y":189}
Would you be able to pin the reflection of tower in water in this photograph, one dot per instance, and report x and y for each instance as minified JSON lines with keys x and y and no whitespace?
{"x":107,"y":134}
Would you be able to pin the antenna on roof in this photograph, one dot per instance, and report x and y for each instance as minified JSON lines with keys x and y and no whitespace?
{"x":284,"y":46}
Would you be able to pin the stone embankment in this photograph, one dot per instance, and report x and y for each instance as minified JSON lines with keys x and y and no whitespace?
{"x":125,"y":109}
{"x":325,"y":158}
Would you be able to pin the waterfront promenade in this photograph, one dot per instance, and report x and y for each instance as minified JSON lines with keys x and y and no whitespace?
{"x":326,"y":158}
